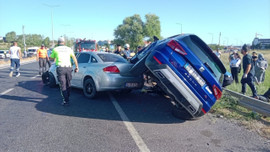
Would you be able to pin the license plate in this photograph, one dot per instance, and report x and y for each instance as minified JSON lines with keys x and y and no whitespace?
{"x":132,"y":85}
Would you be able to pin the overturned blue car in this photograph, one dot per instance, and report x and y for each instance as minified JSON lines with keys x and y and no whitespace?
{"x":185,"y":69}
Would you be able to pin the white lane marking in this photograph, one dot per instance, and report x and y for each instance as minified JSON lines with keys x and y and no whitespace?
{"x":133,"y":132}
{"x":34,"y":77}
{"x":7,"y":91}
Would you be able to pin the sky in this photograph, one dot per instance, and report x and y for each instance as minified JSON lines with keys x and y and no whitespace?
{"x":237,"y":20}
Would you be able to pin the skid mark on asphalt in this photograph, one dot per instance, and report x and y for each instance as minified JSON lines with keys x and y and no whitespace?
{"x":131,"y":129}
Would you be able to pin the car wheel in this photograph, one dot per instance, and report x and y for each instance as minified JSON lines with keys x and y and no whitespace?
{"x":52,"y":81}
{"x":45,"y":78}
{"x":89,"y":88}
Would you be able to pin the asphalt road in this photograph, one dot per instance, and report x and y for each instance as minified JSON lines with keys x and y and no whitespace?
{"x":32,"y":119}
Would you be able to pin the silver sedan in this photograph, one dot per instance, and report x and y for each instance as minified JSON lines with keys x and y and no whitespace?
{"x":99,"y":71}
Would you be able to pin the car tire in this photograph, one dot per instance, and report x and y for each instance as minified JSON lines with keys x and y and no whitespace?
{"x":45,"y":78}
{"x":52,"y":81}
{"x":89,"y":88}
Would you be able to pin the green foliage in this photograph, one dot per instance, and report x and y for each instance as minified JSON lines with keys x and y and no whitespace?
{"x":31,"y":40}
{"x":11,"y":36}
{"x":46,"y":42}
{"x":133,"y":30}
{"x":152,"y":26}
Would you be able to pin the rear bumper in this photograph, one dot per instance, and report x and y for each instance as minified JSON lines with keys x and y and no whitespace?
{"x":117,"y":82}
{"x":179,"y":90}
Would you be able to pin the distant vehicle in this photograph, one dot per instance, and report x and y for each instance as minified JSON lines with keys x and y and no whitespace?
{"x":85,"y":46}
{"x":7,"y":54}
{"x":186,"y":69}
{"x":32,"y":51}
{"x":2,"y":54}
{"x":99,"y":71}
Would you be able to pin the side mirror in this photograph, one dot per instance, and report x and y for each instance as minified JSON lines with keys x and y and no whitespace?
{"x":228,"y":79}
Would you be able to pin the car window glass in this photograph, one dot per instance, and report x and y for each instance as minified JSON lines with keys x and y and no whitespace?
{"x":204,"y":56}
{"x":93,"y":60}
{"x":111,"y":58}
{"x":83,"y":58}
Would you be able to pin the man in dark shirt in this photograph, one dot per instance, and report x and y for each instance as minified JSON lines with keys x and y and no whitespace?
{"x":118,"y":50}
{"x":248,"y":75}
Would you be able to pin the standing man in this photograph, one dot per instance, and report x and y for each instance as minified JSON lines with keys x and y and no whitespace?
{"x":248,"y":75}
{"x":118,"y":49}
{"x":15,"y":56}
{"x":126,"y":52}
{"x":42,"y":57}
{"x":62,"y":55}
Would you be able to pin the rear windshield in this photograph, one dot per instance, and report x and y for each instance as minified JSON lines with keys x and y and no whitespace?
{"x":207,"y":58}
{"x":111,"y":58}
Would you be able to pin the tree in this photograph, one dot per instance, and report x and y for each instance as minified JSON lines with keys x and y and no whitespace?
{"x":152,"y":26}
{"x":46,"y":42}
{"x":131,"y":32}
{"x":11,"y":36}
{"x":33,"y":40}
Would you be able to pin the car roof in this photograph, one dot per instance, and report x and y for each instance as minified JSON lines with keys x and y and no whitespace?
{"x":96,"y":54}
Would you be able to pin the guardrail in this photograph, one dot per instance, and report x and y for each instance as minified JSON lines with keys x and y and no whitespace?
{"x":251,"y":103}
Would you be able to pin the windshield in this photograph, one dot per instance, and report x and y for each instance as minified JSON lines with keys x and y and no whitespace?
{"x":2,"y":52}
{"x":31,"y":50}
{"x":205,"y":57}
{"x":111,"y":58}
{"x":88,"y":46}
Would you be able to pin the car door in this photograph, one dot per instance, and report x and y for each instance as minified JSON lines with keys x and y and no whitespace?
{"x":83,"y":61}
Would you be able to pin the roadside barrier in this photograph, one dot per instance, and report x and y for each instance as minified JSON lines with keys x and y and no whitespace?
{"x":251,"y":103}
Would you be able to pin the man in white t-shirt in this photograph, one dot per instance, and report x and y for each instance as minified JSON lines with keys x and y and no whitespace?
{"x":15,"y":56}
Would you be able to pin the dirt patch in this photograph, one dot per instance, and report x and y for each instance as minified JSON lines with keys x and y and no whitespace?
{"x":262,"y":128}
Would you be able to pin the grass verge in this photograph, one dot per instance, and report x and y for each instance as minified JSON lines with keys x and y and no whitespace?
{"x":228,"y":106}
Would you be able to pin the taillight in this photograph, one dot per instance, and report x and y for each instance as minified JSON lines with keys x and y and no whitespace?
{"x":217,"y":92}
{"x":176,"y":47}
{"x":111,"y":69}
{"x":157,"y":60}
{"x":203,"y":111}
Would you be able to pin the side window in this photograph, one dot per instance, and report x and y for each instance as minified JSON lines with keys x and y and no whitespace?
{"x":83,"y":58}
{"x":93,"y":60}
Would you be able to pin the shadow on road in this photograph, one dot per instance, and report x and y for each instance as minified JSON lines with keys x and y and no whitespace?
{"x":137,"y":106}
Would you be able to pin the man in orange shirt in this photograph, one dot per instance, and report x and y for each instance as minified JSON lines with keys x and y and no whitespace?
{"x":42,"y":57}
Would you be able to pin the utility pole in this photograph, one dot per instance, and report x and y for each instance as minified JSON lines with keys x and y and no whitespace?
{"x":181,"y":27}
{"x":219,"y":39}
{"x":52,"y":6}
{"x":23,"y":38}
